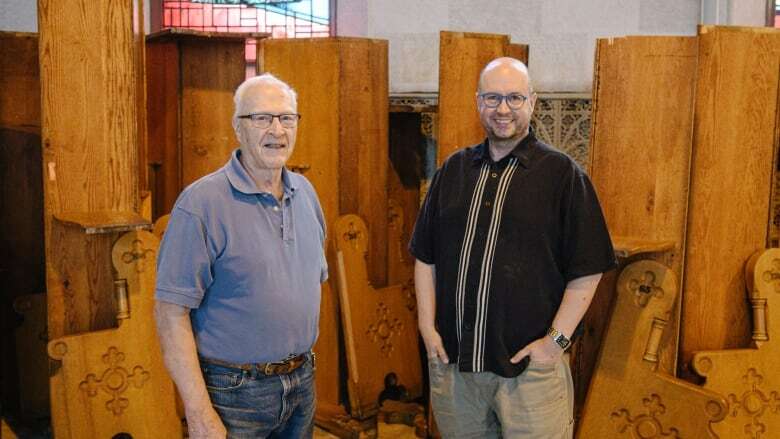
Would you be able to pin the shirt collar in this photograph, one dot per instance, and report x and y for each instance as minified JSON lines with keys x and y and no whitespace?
{"x":522,"y":151}
{"x":241,"y":181}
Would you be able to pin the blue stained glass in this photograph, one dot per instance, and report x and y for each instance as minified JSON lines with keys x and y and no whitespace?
{"x":316,"y":11}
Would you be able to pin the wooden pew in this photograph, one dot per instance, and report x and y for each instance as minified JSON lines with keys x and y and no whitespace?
{"x":342,"y":86}
{"x":380,"y":324}
{"x":735,"y":142}
{"x":629,"y":396}
{"x":114,"y":381}
{"x":640,"y":148}
{"x":92,"y":107}
{"x":750,"y":377}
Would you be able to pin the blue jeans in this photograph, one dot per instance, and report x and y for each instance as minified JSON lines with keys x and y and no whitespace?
{"x":254,"y":405}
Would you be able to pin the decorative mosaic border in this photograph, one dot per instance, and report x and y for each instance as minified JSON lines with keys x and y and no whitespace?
{"x":415,"y":102}
{"x":560,"y":119}
{"x":563,"y":121}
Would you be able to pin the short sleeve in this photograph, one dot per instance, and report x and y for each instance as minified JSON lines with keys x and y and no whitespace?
{"x":423,"y":243}
{"x":587,"y":247}
{"x":184,"y":263}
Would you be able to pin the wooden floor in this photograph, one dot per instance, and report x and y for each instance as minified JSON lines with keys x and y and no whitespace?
{"x":386,"y":431}
{"x":5,"y":431}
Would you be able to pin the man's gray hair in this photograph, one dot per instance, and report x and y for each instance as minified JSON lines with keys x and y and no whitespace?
{"x":265,"y":78}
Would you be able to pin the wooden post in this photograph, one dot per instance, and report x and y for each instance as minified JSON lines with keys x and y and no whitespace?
{"x":90,"y":158}
{"x":88,"y":53}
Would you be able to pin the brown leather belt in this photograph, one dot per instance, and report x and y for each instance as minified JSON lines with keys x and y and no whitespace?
{"x":277,"y":368}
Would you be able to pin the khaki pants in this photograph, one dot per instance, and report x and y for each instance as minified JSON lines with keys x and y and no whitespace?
{"x":537,"y":404}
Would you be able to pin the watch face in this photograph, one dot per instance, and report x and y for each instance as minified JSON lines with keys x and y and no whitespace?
{"x":559,"y":338}
{"x":562,"y":341}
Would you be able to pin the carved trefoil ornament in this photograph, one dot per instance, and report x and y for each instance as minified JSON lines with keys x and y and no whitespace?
{"x":384,"y":329}
{"x":114,"y":381}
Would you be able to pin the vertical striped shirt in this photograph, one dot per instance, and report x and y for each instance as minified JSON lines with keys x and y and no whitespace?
{"x":506,"y":237}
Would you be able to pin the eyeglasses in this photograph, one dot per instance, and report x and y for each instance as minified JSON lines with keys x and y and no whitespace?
{"x":515,"y":101}
{"x":264,"y":120}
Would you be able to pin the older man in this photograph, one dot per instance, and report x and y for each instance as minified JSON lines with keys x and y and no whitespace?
{"x":238,"y":281}
{"x":510,"y":246}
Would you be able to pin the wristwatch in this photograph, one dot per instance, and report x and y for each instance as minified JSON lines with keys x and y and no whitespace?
{"x":559,"y":338}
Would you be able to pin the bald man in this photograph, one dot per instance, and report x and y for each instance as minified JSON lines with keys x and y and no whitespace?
{"x":238,"y":281}
{"x":510,"y":245}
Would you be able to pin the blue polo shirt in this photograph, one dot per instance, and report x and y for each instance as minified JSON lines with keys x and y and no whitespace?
{"x":248,"y":266}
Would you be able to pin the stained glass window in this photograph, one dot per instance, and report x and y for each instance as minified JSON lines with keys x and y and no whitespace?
{"x":280,"y":18}
{"x":777,"y":13}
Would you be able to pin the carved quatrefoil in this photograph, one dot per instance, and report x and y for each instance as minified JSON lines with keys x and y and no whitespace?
{"x":138,"y":254}
{"x":114,"y":381}
{"x":645,"y":288}
{"x":646,"y":425}
{"x":383,"y":330}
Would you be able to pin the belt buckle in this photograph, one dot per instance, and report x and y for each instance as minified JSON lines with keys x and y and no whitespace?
{"x":283,"y":367}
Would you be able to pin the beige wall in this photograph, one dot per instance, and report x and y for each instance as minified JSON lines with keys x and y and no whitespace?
{"x":561,"y":33}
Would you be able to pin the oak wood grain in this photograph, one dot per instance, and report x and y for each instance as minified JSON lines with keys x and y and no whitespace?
{"x":734,"y":151}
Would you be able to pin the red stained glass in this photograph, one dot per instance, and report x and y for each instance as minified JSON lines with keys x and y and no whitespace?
{"x":278,"y":32}
{"x":176,"y":18}
{"x":220,"y":17}
{"x":207,"y":16}
{"x":234,"y":17}
{"x":251,"y":52}
{"x":196,"y":18}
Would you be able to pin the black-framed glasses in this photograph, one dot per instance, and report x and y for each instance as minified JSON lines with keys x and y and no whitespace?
{"x":515,"y":101}
{"x":264,"y":120}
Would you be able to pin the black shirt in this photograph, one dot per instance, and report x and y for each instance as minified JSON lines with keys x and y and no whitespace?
{"x":506,"y":237}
